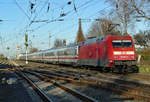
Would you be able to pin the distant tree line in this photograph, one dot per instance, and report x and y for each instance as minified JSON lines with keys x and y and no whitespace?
{"x":103,"y":27}
{"x":2,"y":56}
{"x":33,"y":49}
{"x":142,"y":38}
{"x":59,"y":43}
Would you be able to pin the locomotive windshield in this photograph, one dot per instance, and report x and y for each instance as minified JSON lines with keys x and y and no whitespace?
{"x":121,"y":43}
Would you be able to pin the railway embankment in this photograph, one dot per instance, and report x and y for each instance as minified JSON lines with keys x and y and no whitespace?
{"x":91,"y":90}
{"x":90,"y":84}
{"x":143,"y":57}
{"x":132,"y":80}
{"x":13,"y":88}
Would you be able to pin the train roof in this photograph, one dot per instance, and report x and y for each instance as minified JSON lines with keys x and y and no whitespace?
{"x":89,"y":41}
{"x":101,"y":38}
{"x":93,"y":40}
{"x":53,"y":49}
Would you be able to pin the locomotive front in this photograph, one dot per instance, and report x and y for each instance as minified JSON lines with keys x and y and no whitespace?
{"x":122,"y":54}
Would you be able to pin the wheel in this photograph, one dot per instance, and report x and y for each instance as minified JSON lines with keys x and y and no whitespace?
{"x":105,"y":70}
{"x":135,"y":69}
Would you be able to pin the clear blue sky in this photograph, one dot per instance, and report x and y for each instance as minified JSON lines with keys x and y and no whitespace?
{"x":17,"y":16}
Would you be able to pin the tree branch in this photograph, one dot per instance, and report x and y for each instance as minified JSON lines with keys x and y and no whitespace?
{"x":140,"y":12}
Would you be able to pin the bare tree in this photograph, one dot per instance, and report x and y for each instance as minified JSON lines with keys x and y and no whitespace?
{"x":59,"y":43}
{"x":124,"y":11}
{"x":108,"y":27}
{"x":32,"y":49}
{"x":95,"y":30}
{"x":1,"y":55}
{"x":143,"y":38}
{"x":142,"y":8}
{"x":103,"y":27}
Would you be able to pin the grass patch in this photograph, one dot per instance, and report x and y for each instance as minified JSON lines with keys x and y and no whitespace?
{"x":1,"y":60}
{"x":144,"y":69}
{"x":144,"y":64}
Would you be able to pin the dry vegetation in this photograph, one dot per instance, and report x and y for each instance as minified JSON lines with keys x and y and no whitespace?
{"x":144,"y":64}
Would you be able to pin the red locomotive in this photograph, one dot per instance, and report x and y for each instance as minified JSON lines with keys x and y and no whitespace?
{"x":108,"y":53}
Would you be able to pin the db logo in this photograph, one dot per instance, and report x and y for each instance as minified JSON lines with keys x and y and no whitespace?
{"x":124,"y":56}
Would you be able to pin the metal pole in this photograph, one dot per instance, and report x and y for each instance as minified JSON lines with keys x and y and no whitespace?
{"x":26,"y":56}
{"x":49,"y":40}
{"x":26,"y":44}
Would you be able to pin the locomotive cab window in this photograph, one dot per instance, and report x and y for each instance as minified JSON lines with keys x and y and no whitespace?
{"x":121,"y":43}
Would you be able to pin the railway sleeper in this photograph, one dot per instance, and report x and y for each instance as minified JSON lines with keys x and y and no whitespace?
{"x":108,"y":84}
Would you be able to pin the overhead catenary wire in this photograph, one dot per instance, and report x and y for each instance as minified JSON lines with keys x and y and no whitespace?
{"x":83,"y":19}
{"x":46,"y":2}
{"x":53,"y":20}
{"x":61,"y":31}
{"x":35,"y":16}
{"x":21,"y":9}
{"x":42,"y":25}
{"x":79,"y":17}
{"x":69,"y":12}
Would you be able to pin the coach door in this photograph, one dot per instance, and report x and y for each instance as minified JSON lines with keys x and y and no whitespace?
{"x":98,"y":52}
{"x":105,"y":55}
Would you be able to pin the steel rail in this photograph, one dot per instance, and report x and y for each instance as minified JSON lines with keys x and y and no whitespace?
{"x":138,"y":94}
{"x":110,"y":84}
{"x":73,"y":92}
{"x":118,"y":80}
{"x":43,"y":96}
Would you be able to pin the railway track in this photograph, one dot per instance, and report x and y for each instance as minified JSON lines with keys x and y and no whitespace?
{"x":127,"y":88}
{"x":105,"y":76}
{"x":130,"y":91}
{"x":41,"y":93}
{"x":89,"y":72}
{"x":45,"y":98}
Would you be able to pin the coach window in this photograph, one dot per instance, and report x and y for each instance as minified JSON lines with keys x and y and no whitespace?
{"x":70,"y":52}
{"x":60,"y":53}
{"x":48,"y":54}
{"x":65,"y":52}
{"x":52,"y":54}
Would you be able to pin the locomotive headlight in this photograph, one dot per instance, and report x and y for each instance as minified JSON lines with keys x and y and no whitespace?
{"x":123,"y":52}
{"x":117,"y":52}
{"x":130,"y":52}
